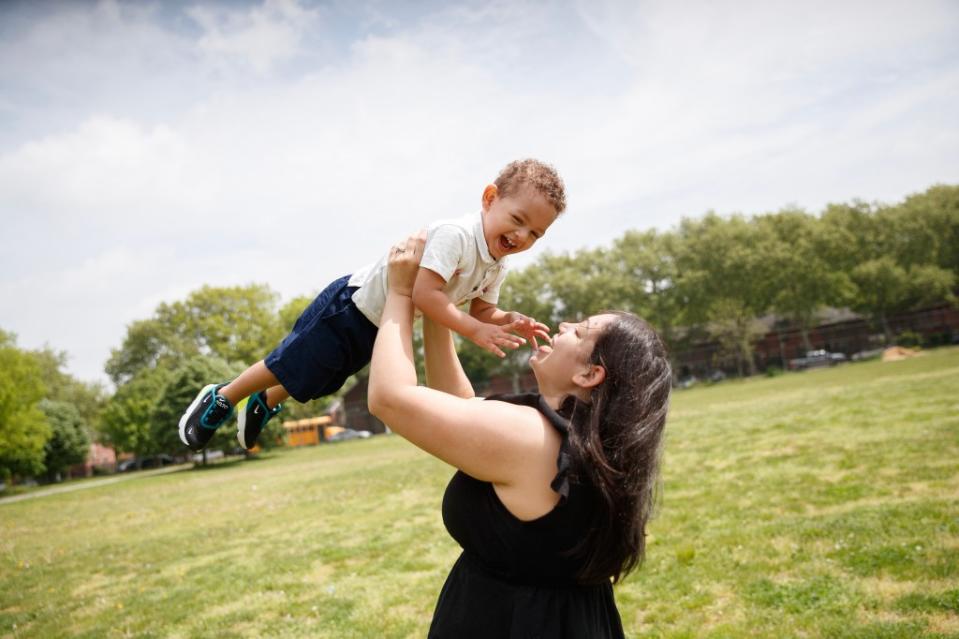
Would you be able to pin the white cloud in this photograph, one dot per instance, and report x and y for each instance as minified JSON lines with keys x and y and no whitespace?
{"x":260,"y":36}
{"x":104,"y":172}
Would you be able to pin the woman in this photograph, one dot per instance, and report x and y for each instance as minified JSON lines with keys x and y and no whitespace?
{"x":554,"y":489}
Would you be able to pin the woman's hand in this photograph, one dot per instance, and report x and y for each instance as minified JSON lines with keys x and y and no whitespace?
{"x":404,"y":262}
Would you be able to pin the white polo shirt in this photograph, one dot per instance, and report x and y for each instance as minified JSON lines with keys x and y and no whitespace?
{"x":456,"y":251}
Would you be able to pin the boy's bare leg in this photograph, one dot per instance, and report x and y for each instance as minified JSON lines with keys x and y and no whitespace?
{"x":256,"y":378}
{"x":275,"y":395}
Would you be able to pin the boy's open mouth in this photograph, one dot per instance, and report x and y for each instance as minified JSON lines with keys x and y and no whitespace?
{"x":506,"y":244}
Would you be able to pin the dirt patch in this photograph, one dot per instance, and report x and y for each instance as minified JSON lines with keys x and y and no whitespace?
{"x":897,"y":353}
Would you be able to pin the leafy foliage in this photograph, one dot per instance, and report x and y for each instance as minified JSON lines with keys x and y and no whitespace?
{"x":235,"y":324}
{"x":716,"y":276}
{"x":69,"y":442}
{"x":125,"y":421}
{"x":88,"y":399}
{"x":24,"y":429}
{"x":184,"y":383}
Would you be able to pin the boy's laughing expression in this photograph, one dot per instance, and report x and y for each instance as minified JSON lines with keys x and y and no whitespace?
{"x":513,"y":223}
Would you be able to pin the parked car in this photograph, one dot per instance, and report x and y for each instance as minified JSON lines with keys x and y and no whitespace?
{"x":157,"y":461}
{"x":716,"y":376}
{"x":141,"y":463}
{"x":127,"y":465}
{"x":347,"y":434}
{"x":817,"y":359}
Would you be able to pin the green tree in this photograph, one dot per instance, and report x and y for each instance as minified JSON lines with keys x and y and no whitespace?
{"x":931,"y":284}
{"x":925,"y":228}
{"x":125,"y":422}
{"x":184,"y":383}
{"x":69,"y":442}
{"x":852,"y":233}
{"x":148,"y":344}
{"x":580,"y":283}
{"x":479,"y":365}
{"x":645,"y":278}
{"x":236,"y":324}
{"x":24,"y":429}
{"x":87,"y":398}
{"x":804,"y":280}
{"x":725,"y":280}
{"x":736,"y":330}
{"x":527,"y":291}
{"x":882,"y":288}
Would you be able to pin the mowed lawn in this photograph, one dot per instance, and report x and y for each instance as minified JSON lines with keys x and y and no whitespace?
{"x":817,"y":504}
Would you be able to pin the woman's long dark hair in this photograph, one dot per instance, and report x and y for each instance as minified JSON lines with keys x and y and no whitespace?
{"x":615,"y":441}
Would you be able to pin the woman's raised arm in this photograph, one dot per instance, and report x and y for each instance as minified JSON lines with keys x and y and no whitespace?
{"x":491,"y":441}
{"x":444,"y":372}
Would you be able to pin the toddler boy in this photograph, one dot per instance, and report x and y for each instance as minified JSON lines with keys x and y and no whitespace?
{"x":464,"y":260}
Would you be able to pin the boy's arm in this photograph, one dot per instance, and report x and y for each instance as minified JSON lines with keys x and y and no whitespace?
{"x":429,"y":296}
{"x":489,"y":313}
{"x":526,"y":326}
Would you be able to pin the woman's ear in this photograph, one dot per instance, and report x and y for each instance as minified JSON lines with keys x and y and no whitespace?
{"x":489,"y":194}
{"x":591,"y":377}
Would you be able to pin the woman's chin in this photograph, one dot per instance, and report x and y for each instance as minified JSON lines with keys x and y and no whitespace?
{"x":540,"y":354}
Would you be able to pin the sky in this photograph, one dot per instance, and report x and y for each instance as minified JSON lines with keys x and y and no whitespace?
{"x":149,"y":148}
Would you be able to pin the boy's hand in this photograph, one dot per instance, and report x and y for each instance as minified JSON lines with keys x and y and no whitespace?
{"x":490,"y":337}
{"x":528,"y":327}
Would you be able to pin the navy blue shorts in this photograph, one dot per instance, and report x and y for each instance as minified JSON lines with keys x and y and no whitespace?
{"x":330,"y":341}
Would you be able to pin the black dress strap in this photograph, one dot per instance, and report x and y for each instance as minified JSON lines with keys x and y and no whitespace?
{"x":560,"y":483}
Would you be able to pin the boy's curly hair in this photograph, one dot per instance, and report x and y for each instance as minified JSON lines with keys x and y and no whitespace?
{"x":537,"y":175}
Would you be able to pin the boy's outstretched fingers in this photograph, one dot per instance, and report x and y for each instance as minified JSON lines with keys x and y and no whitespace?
{"x":530,"y":329}
{"x":543,"y":335}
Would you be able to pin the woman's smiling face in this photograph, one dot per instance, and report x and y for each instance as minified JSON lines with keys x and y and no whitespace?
{"x":569,"y":353}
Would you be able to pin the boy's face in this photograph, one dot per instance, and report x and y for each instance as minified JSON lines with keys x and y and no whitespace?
{"x":512,"y":224}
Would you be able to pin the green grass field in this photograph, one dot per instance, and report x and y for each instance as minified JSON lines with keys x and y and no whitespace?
{"x":817,"y":504}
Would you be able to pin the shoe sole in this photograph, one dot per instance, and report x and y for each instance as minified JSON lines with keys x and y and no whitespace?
{"x":241,"y":424}
{"x":189,"y":411}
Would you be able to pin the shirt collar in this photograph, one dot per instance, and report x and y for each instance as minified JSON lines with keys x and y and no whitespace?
{"x":481,"y":241}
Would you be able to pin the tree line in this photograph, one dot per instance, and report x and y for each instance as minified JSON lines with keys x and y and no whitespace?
{"x":713,"y":277}
{"x":710,"y":277}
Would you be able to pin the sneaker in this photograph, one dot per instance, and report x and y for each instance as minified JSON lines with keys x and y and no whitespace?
{"x":207,"y":413}
{"x":250,"y":422}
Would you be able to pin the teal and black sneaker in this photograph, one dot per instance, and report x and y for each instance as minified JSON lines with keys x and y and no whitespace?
{"x":250,"y":422}
{"x":207,"y":413}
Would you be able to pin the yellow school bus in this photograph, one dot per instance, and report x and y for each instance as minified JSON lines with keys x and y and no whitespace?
{"x":306,"y":432}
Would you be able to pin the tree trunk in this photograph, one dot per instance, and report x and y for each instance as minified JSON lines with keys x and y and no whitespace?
{"x":746,"y":353}
{"x":887,"y":332}
{"x":750,"y":359}
{"x":806,"y":344}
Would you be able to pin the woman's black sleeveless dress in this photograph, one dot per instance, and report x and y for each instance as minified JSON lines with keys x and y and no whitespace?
{"x":515,"y":579}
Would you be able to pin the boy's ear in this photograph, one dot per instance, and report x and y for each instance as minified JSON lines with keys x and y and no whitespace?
{"x":489,"y":194}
